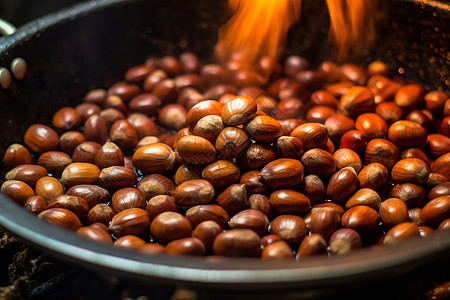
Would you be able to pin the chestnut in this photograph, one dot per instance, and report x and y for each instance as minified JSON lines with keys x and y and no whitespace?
{"x":145,"y":103}
{"x":252,"y":183}
{"x":291,"y":228}
{"x":86,"y":152}
{"x":40,"y":138}
{"x":221,"y":173}
{"x":389,"y":111}
{"x":346,"y":157}
{"x":442,"y":189}
{"x":282,"y":173}
{"x":187,"y":172}
{"x":361,"y":218}
{"x":133,"y":221}
{"x":270,"y":239}
{"x":48,"y":187}
{"x":186,"y":246}
{"x":95,"y":234}
{"x":54,"y":161}
{"x":16,"y":155}
{"x":319,"y":114}
{"x":154,"y":158}
{"x":35,"y":204}
{"x":117,"y":177}
{"x":209,"y":127}
{"x":439,"y":144}
{"x":261,"y":203}
{"x":96,"y":96}
{"x":276,"y":251}
{"x":237,"y":243}
{"x":337,"y":126}
{"x":207,"y":231}
{"x":263,"y":129}
{"x":393,"y":211}
{"x":409,"y":97}
{"x":154,"y":185}
{"x":159,"y":204}
{"x":137,"y":74}
{"x":313,"y":187}
{"x":410,"y":170}
{"x":193,"y":192}
{"x":109,"y":155}
{"x":169,"y":226}
{"x":28,"y":173}
{"x":124,"y":135}
{"x":354,"y":140}
{"x":256,"y":156}
{"x":124,"y":90}
{"x":231,"y":142}
{"x":80,"y":173}
{"x":382,"y":151}
{"x":412,"y":194}
{"x":196,"y":150}
{"x":344,"y":240}
{"x":129,"y":241}
{"x":312,"y":135}
{"x":115,"y":102}
{"x":415,"y":153}
{"x":251,"y":219}
{"x":319,"y":162}
{"x":289,"y":147}
{"x":288,"y":108}
{"x":153,"y":78}
{"x":87,"y":109}
{"x":96,"y":129}
{"x":374,"y":176}
{"x":400,"y":232}
{"x":436,"y":210}
{"x":371,"y":125}
{"x":442,"y":165}
{"x":61,"y":217}
{"x":289,"y":124}
{"x":313,"y":244}
{"x":342,"y":184}
{"x":93,"y":194}
{"x":207,"y":212}
{"x":233,"y":199}
{"x":324,"y":221}
{"x":356,"y":101}
{"x":407,"y":134}
{"x":128,"y":197}
{"x":173,"y":116}
{"x":287,"y":201}
{"x":202,"y":109}
{"x":364,"y":196}
{"x":100,"y":213}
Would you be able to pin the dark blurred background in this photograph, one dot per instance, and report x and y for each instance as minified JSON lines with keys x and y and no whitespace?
{"x":19,"y":12}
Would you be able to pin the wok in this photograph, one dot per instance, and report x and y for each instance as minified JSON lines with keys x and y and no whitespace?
{"x":90,"y":45}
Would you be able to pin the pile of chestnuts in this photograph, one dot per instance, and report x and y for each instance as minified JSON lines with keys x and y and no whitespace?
{"x":277,"y":160}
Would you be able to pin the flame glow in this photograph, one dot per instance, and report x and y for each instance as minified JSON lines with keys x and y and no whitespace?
{"x":259,"y":27}
{"x":351,"y":23}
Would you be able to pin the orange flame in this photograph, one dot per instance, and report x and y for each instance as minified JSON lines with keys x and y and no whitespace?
{"x":351,"y":23}
{"x":259,"y":27}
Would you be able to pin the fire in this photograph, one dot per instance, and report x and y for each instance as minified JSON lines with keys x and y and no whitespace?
{"x":351,"y":24}
{"x":259,"y":27}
